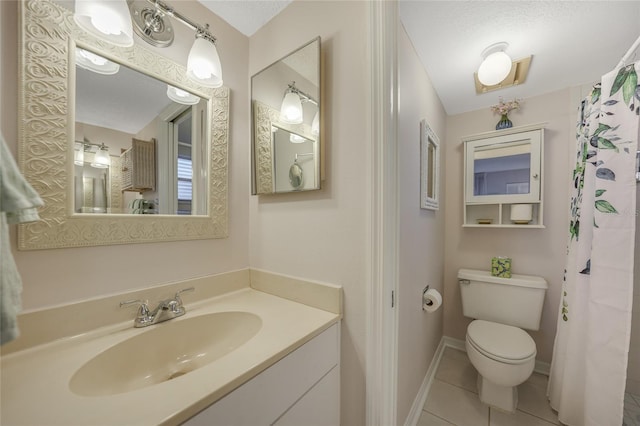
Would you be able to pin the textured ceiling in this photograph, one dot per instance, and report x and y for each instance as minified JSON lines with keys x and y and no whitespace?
{"x":247,"y":16}
{"x":572,"y":43}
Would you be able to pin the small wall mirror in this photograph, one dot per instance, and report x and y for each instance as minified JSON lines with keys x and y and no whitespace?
{"x":429,"y":167}
{"x":286,"y":123}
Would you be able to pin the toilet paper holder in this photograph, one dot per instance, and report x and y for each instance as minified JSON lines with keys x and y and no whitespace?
{"x":424,"y":291}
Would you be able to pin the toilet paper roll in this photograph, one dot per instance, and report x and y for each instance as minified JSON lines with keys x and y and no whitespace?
{"x":431,"y":300}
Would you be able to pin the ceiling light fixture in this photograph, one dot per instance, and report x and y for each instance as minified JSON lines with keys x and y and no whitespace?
{"x":113,"y":21}
{"x":496,"y":64}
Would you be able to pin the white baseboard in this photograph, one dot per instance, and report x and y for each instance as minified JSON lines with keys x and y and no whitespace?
{"x":423,"y":392}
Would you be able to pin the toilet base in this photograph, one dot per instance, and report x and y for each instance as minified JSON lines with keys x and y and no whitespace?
{"x":504,"y":398}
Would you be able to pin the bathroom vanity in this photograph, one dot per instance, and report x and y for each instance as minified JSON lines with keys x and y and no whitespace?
{"x":263,"y":351}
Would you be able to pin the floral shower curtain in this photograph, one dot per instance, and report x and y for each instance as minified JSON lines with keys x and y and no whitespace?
{"x":588,"y":371}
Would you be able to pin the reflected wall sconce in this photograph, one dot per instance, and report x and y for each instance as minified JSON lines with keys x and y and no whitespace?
{"x":181,"y":96}
{"x":291,"y":109}
{"x":101,"y":159}
{"x":115,"y":21}
{"x":498,"y":70}
{"x":96,"y":63}
{"x":297,"y":138}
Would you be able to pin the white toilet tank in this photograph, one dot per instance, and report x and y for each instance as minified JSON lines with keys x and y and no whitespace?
{"x":515,"y":301}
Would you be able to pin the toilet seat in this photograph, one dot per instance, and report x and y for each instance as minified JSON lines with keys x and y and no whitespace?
{"x":503,"y":343}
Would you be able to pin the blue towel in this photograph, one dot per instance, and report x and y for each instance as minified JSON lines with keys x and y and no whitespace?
{"x":18,"y":203}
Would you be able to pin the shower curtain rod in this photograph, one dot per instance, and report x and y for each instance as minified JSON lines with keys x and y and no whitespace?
{"x":627,"y":55}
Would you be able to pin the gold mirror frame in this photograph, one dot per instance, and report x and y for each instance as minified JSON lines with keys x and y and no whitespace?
{"x":48,"y":37}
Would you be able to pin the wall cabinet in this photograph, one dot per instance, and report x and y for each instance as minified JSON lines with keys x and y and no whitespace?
{"x":139,"y":166}
{"x":302,"y":388}
{"x":503,"y":181}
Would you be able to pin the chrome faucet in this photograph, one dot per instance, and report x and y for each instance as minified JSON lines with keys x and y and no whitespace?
{"x":166,"y":309}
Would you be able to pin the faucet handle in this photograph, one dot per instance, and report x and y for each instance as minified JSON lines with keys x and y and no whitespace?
{"x":143,"y":312}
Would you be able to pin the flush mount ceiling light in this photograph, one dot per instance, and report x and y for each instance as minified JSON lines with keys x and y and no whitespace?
{"x":96,"y":63}
{"x":111,"y":20}
{"x":495,"y":66}
{"x":498,"y":71}
{"x":181,"y":96}
{"x":107,"y":19}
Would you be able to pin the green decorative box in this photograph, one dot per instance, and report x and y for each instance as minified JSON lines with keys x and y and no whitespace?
{"x":501,"y":267}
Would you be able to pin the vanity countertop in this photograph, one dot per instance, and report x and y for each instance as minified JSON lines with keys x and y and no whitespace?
{"x":35,"y":381}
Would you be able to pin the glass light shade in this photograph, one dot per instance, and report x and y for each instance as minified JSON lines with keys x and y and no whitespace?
{"x":495,"y":68}
{"x":297,"y":138}
{"x":106,"y":19}
{"x":101,"y":160}
{"x":203,"y":64}
{"x":96,"y":63}
{"x":291,"y":109}
{"x":315,"y":124}
{"x":78,"y":154}
{"x":181,"y":96}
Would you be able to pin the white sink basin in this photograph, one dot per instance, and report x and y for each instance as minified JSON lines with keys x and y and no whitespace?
{"x":165,"y":352}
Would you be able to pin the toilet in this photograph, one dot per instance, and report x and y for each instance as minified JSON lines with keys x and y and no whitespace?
{"x":497,"y":345}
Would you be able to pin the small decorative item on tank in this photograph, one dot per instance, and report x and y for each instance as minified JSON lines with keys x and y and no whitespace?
{"x":501,"y":267}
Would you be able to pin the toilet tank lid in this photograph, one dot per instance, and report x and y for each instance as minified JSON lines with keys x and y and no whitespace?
{"x":517,"y":280}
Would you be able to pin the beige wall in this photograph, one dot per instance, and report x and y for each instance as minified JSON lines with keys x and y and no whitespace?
{"x":324,"y":235}
{"x":59,"y":276}
{"x":534,"y":251}
{"x":421,"y":247}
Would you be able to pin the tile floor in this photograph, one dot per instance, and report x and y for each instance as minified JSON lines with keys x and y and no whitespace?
{"x":453,"y":399}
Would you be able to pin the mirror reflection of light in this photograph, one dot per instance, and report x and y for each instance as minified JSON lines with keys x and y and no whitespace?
{"x":291,"y":110}
{"x":297,"y":138}
{"x":315,"y":125}
{"x":78,"y":154}
{"x":181,"y":96}
{"x":96,"y":63}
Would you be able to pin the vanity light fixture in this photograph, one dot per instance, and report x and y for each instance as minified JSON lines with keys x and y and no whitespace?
{"x":114,"y":21}
{"x":291,"y":109}
{"x":78,"y":154}
{"x":107,"y":19}
{"x":101,"y":159}
{"x":96,"y":63}
{"x":496,"y":64}
{"x":181,"y":96}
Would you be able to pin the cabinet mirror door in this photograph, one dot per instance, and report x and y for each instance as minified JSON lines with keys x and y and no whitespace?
{"x":503,"y":169}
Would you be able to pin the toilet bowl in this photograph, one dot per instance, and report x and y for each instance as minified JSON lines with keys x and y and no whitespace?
{"x":504,"y":356}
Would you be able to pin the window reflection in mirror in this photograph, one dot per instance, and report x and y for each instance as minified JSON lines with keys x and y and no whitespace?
{"x":154,"y":134}
{"x":502,"y":170}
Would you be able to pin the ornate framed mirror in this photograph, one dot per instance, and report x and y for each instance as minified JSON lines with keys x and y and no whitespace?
{"x":49,"y":137}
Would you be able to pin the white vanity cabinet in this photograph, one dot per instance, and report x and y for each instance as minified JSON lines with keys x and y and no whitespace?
{"x":503,"y":175}
{"x":303,"y":388}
